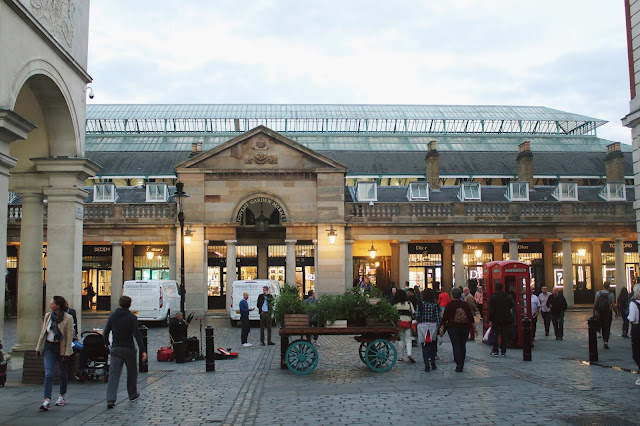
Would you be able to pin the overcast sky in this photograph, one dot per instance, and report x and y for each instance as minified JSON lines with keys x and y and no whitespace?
{"x":564,"y":54}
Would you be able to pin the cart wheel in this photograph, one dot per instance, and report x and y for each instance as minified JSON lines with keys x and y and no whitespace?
{"x":301,"y":357}
{"x":381,"y":355}
{"x":363,"y":351}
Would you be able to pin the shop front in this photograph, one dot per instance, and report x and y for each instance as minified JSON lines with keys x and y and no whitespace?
{"x":151,"y":262}
{"x":216,"y":275}
{"x":425,"y":265}
{"x":372,"y":259}
{"x":581,"y":261}
{"x":96,"y":277}
{"x":630,"y":262}
{"x":305,"y":267}
{"x":474,"y":255}
{"x":531,"y":253}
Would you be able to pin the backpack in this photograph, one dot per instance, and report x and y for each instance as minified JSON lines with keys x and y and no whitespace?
{"x":460,"y":316}
{"x":602,"y":303}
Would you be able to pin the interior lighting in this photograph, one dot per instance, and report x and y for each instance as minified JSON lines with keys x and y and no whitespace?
{"x":372,"y":251}
{"x":582,"y":252}
{"x":149,"y":253}
{"x":478,"y":253}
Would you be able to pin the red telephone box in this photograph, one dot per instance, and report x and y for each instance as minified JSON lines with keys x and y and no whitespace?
{"x":514,"y":276}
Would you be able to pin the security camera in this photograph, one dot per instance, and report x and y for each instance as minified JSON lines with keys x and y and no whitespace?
{"x":89,"y":90}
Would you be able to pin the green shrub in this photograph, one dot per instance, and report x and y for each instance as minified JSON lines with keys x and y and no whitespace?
{"x":288,"y":302}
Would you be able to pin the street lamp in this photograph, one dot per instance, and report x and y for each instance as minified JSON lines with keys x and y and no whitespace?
{"x":332,"y":235}
{"x":180,"y":196}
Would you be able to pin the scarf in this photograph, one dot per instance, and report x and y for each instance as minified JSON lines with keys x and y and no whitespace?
{"x":55,"y":320}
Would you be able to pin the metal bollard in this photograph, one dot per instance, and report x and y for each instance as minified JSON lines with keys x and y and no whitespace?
{"x":593,"y":339}
{"x":143,"y":367}
{"x":211,"y":359}
{"x":526,"y":339}
{"x":179,"y":352}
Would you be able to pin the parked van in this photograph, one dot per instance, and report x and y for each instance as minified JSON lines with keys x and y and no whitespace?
{"x":153,"y":300}
{"x":254,"y":288}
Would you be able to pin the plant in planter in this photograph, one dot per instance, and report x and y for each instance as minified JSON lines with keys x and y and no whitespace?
{"x":288,"y":302}
{"x":382,"y":313}
{"x":331,"y":307}
{"x":357,"y":307}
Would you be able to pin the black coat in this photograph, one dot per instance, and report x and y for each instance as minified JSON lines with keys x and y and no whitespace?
{"x":557,"y":303}
{"x":500,"y":305}
{"x":261,"y":302}
{"x":177,"y":329}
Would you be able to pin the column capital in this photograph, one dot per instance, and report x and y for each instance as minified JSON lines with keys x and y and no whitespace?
{"x":7,"y":162}
{"x":206,"y":242}
{"x":349,"y":242}
{"x":66,"y":171}
{"x":290,"y":241}
{"x":116,"y":243}
{"x":231,"y":242}
{"x":547,"y":243}
{"x":458,"y":241}
{"x":596,"y":243}
{"x":497,"y":243}
{"x":567,"y":239}
{"x":314,"y":241}
{"x":514,"y":240}
{"x":63,"y":195}
{"x":620,"y":239}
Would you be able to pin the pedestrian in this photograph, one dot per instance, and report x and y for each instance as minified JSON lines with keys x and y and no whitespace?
{"x":417,"y":292}
{"x":478,"y":297}
{"x":365,"y":285}
{"x":535,"y":310}
{"x":443,"y":300}
{"x":470,"y":300}
{"x":73,"y":314}
{"x":603,"y":308}
{"x":545,"y":311}
{"x":313,"y":315}
{"x":428,"y":318}
{"x":500,"y":319}
{"x":90,"y":295}
{"x":457,"y":321}
{"x":634,"y":319}
{"x":558,"y":304}
{"x":124,"y":326}
{"x":406,"y":311}
{"x":623,"y":310}
{"x":413,"y":298}
{"x":54,"y":345}
{"x":244,"y":319}
{"x":265,"y":306}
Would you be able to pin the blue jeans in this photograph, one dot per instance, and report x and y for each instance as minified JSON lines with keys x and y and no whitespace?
{"x":458,"y":338}
{"x":51,"y":357}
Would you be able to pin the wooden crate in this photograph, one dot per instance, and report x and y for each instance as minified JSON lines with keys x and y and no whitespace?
{"x":296,"y":320}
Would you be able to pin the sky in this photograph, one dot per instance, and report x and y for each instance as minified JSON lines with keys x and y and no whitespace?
{"x":569,"y":55}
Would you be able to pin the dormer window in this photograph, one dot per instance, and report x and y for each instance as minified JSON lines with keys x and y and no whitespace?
{"x":517,"y":191}
{"x":469,"y":191}
{"x":418,"y":191}
{"x":104,"y":193}
{"x":12,"y":196}
{"x":614,"y":191}
{"x":157,"y":192}
{"x":367,"y":191}
{"x":566,"y":191}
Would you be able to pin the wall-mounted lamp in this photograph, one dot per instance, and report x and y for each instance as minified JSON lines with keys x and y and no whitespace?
{"x":372,"y":251}
{"x":332,"y":235}
{"x":188,"y":233}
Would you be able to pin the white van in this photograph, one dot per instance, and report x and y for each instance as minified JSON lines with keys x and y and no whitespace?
{"x":254,"y":288}
{"x":153,"y":300}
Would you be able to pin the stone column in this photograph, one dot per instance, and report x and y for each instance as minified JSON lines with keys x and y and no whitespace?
{"x":172,"y":260}
{"x":231,"y":268}
{"x":30,"y":272}
{"x":621,"y":279}
{"x":497,"y":250}
{"x":116,"y":274}
{"x":348,"y":264}
{"x":447,"y":263}
{"x":290,"y":268}
{"x":567,"y":271}
{"x":403,"y":263}
{"x":315,"y":262}
{"x":127,"y":261}
{"x":263,"y":256}
{"x":513,"y":249}
{"x":395,"y":264}
{"x":596,"y":256}
{"x":205,"y":266}
{"x":459,"y":272}
{"x":547,"y":258}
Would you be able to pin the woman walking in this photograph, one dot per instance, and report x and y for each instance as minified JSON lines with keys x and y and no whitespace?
{"x":623,"y":310}
{"x":457,"y":320}
{"x":54,"y":344}
{"x":405,"y":309}
{"x":428,"y":318}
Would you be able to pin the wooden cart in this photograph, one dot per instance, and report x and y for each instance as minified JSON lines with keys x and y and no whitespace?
{"x":376,"y":348}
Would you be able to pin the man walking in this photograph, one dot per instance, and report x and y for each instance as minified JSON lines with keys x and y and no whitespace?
{"x":535,"y":310}
{"x":545,"y":311}
{"x":124,"y":325}
{"x":558,"y":304}
{"x":500,"y":318}
{"x":244,"y":320}
{"x":603,"y":308}
{"x":264,"y":306}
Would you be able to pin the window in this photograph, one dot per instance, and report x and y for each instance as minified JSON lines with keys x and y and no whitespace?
{"x":469,"y":191}
{"x":12,"y":196}
{"x":418,"y":191}
{"x":157,"y":192}
{"x":367,"y":191}
{"x":517,"y":191}
{"x":566,"y":191}
{"x":104,"y":193}
{"x":614,"y":191}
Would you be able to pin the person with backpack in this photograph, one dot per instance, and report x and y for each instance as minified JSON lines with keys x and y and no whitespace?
{"x":603,"y":308}
{"x":634,"y":319}
{"x":500,"y":318}
{"x":457,"y":320}
{"x":557,"y":305}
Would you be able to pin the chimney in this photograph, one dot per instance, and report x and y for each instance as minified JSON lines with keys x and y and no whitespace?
{"x":432,"y":163}
{"x":525,"y":163}
{"x":199,"y":146}
{"x":196,"y":148}
{"x":614,"y":163}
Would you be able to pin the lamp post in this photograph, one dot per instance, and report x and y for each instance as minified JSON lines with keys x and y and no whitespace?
{"x":180,"y":195}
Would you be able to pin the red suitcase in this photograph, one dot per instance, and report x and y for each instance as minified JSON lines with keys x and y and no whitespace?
{"x":165,"y":354}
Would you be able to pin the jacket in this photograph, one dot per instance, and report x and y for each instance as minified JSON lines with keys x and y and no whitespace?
{"x":557,"y":303}
{"x":261,"y":302}
{"x":124,"y":325}
{"x":450,"y":313}
{"x":500,"y":305}
{"x":66,"y":328}
{"x":405,"y":309}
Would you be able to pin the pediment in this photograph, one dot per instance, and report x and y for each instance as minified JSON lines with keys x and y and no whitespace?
{"x":261,"y":149}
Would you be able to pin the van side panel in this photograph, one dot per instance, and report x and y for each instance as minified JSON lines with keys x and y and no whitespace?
{"x":254,"y":288}
{"x":145,"y":298}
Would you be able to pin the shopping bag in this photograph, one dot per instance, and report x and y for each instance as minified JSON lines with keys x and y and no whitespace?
{"x":489,"y":337}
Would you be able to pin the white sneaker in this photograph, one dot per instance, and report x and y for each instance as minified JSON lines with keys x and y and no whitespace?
{"x":246,"y":345}
{"x":46,"y":405}
{"x":60,"y":400}
{"x":638,"y":381}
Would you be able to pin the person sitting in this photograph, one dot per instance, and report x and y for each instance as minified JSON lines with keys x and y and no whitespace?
{"x":178,"y":332}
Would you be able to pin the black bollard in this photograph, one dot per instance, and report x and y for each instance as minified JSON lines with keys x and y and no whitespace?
{"x":526,"y":339}
{"x":179,"y":352}
{"x":593,"y":340}
{"x":143,"y":367}
{"x":211,"y":359}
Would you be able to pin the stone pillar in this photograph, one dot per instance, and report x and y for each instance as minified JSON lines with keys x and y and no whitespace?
{"x":621,"y":279}
{"x":127,"y":268}
{"x":116,"y":274}
{"x":547,"y":258}
{"x":263,"y":256}
{"x":447,"y":263}
{"x":330,"y":266}
{"x":290,"y":268}
{"x":403,"y":263}
{"x":315,"y":262}
{"x":30,"y":272}
{"x":205,"y":266}
{"x":497,"y":250}
{"x":231,"y":268}
{"x":513,"y":249}
{"x":459,"y":272}
{"x":348,"y":264}
{"x":596,"y":261}
{"x":567,"y":271}
{"x":395,"y":264}
{"x":172,"y":260}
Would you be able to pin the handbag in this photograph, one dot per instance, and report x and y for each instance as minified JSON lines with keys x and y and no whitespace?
{"x":404,"y":324}
{"x":165,"y":354}
{"x":489,"y":337}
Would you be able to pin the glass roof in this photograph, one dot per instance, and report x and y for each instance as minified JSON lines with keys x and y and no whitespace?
{"x":326,"y":118}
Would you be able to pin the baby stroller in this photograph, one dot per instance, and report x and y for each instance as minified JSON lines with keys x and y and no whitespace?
{"x":94,"y":357}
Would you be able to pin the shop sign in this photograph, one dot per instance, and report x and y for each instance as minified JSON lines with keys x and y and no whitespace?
{"x":472,"y":247}
{"x":261,"y":200}
{"x":629,"y":247}
{"x":525,"y":247}
{"x":156,"y":250}
{"x":425,"y":248}
{"x":88,"y":250}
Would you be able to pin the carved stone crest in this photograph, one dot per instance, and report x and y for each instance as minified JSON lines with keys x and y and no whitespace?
{"x":260,"y":156}
{"x":58,"y":17}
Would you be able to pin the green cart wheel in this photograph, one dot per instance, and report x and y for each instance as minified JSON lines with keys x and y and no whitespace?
{"x":362,"y":351}
{"x":301,"y":357}
{"x":381,"y":355}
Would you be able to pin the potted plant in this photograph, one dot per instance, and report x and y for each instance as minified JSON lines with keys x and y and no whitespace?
{"x":357,"y":306}
{"x":289,"y":309}
{"x":382,"y":313}
{"x":332,"y":310}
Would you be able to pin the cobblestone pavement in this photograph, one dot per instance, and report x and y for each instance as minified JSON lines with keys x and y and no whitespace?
{"x":557,"y":387}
